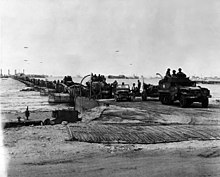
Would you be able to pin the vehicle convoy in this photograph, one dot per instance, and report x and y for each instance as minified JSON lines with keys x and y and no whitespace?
{"x":149,"y":91}
{"x":184,"y":90}
{"x":123,"y":92}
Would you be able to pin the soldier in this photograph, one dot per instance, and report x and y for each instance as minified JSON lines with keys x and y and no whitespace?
{"x":180,"y":74}
{"x":168,"y":73}
{"x":27,"y":113}
{"x":133,"y":88}
{"x":139,"y":85}
{"x":114,"y":85}
{"x":174,"y":74}
{"x":64,"y":80}
{"x":94,"y":78}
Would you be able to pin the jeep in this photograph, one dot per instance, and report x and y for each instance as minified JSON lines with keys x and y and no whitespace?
{"x":123,"y":92}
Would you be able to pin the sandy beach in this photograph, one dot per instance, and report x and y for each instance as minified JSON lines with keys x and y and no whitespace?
{"x":43,"y":151}
{"x":47,"y":151}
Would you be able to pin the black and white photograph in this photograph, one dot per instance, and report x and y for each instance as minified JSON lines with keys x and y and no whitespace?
{"x":110,"y":88}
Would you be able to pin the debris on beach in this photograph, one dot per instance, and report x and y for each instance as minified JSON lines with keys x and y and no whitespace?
{"x":64,"y":115}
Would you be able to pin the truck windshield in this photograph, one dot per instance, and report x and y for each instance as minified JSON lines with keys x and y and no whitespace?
{"x":123,"y":86}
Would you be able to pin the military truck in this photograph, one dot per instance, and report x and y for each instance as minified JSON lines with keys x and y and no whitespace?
{"x":123,"y":92}
{"x":184,"y":90}
{"x":149,"y":91}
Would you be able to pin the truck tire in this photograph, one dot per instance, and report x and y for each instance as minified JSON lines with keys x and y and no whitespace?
{"x":205,"y":102}
{"x":183,"y":101}
{"x":189,"y":102}
{"x":161,"y":98}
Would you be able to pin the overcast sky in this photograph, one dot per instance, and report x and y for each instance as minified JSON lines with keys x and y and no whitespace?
{"x":143,"y":37}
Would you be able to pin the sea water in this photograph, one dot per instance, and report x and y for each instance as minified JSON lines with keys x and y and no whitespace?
{"x":13,"y":100}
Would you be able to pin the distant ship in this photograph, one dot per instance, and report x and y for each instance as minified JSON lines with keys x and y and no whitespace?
{"x":116,"y":77}
{"x":132,"y":77}
{"x":122,"y":77}
{"x":37,"y":75}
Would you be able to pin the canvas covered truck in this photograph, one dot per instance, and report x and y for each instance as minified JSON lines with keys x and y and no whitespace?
{"x":184,"y":90}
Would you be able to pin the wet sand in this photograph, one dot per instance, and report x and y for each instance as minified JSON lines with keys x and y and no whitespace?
{"x":46,"y":151}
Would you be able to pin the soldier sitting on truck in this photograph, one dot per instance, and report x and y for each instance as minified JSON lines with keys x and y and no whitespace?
{"x":168,"y":73}
{"x":174,"y":74}
{"x":94,"y":78}
{"x":135,"y":90}
{"x":180,"y":74}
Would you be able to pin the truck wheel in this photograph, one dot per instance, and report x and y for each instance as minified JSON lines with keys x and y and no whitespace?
{"x":183,"y":102}
{"x":163,"y":99}
{"x":205,"y":102}
{"x":160,"y":97}
{"x":189,"y":102}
